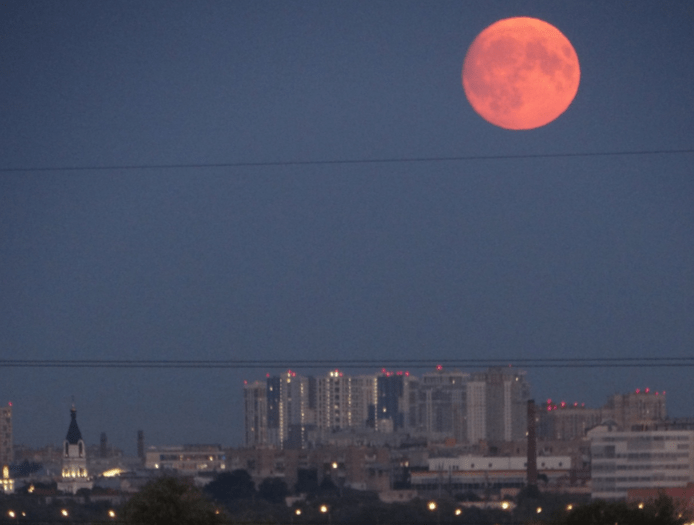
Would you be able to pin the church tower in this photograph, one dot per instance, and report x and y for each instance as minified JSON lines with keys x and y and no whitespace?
{"x":74,"y":475}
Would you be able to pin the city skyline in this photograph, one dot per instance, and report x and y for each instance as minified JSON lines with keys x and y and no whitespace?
{"x":131,"y":443}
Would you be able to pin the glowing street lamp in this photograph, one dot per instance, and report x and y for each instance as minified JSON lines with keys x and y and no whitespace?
{"x":325,"y":510}
{"x":65,"y":513}
{"x":434,"y":507}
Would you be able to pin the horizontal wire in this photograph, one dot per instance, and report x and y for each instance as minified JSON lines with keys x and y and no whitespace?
{"x":392,"y":160}
{"x":659,"y":362}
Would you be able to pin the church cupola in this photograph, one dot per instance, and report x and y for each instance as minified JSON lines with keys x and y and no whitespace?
{"x":74,"y":451}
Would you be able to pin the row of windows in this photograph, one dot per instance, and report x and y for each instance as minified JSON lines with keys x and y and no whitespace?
{"x":473,"y":486}
{"x":611,"y":467}
{"x":633,"y":456}
{"x":623,"y":439}
{"x":600,"y":483}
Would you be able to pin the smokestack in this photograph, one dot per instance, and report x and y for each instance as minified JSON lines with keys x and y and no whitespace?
{"x":141,"y":445}
{"x":532,"y":446}
{"x":103,"y":449}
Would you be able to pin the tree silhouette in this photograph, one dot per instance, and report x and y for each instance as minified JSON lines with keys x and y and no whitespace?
{"x":229,"y":486}
{"x":273,"y":490}
{"x":169,"y":501}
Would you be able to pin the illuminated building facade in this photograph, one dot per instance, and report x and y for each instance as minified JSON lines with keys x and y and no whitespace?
{"x":280,"y":411}
{"x":297,"y":409}
{"x":74,"y":469}
{"x":334,"y":401}
{"x":186,"y":458}
{"x":364,"y":392}
{"x":293,"y":411}
{"x":6,"y":447}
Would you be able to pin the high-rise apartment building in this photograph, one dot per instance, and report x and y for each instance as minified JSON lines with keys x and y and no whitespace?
{"x":441,"y":404}
{"x":255,"y":412}
{"x":280,"y":411}
{"x":297,"y":409}
{"x":476,"y":403}
{"x":392,"y":400}
{"x":566,"y":421}
{"x":364,"y":392}
{"x":506,"y":393}
{"x":636,"y":410}
{"x":491,"y":405}
{"x":334,"y":401}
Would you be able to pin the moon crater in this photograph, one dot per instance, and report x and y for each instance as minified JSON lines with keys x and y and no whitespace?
{"x":520,"y":73}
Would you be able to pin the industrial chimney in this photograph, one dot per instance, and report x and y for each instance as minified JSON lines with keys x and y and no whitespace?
{"x":532,"y":447}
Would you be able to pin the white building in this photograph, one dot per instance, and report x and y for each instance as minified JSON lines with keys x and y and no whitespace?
{"x":623,"y":460}
{"x":481,"y":474}
{"x":334,"y":401}
{"x":74,"y":471}
{"x":186,"y":458}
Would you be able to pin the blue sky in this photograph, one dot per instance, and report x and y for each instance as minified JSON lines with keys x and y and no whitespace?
{"x":503,"y":258}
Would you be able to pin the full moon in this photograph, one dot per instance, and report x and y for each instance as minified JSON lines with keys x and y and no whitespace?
{"x":521,"y":73}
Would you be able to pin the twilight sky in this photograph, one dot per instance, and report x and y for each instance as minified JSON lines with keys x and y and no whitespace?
{"x":559,"y":257}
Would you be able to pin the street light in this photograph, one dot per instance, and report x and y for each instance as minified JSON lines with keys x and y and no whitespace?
{"x":325,"y":510}
{"x":434,"y":507}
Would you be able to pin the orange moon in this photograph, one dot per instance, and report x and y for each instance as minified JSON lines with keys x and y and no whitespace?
{"x":521,"y":73}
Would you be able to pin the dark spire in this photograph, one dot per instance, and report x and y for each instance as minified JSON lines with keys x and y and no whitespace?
{"x":73,"y":433}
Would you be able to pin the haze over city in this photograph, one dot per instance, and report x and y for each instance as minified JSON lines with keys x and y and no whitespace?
{"x":301,"y":181}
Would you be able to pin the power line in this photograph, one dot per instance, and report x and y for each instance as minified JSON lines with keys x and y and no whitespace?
{"x":392,"y":160}
{"x":651,"y":362}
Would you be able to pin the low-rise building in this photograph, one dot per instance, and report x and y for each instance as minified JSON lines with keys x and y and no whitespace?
{"x":186,"y":458}
{"x":624,"y":460}
{"x":483,"y":474}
